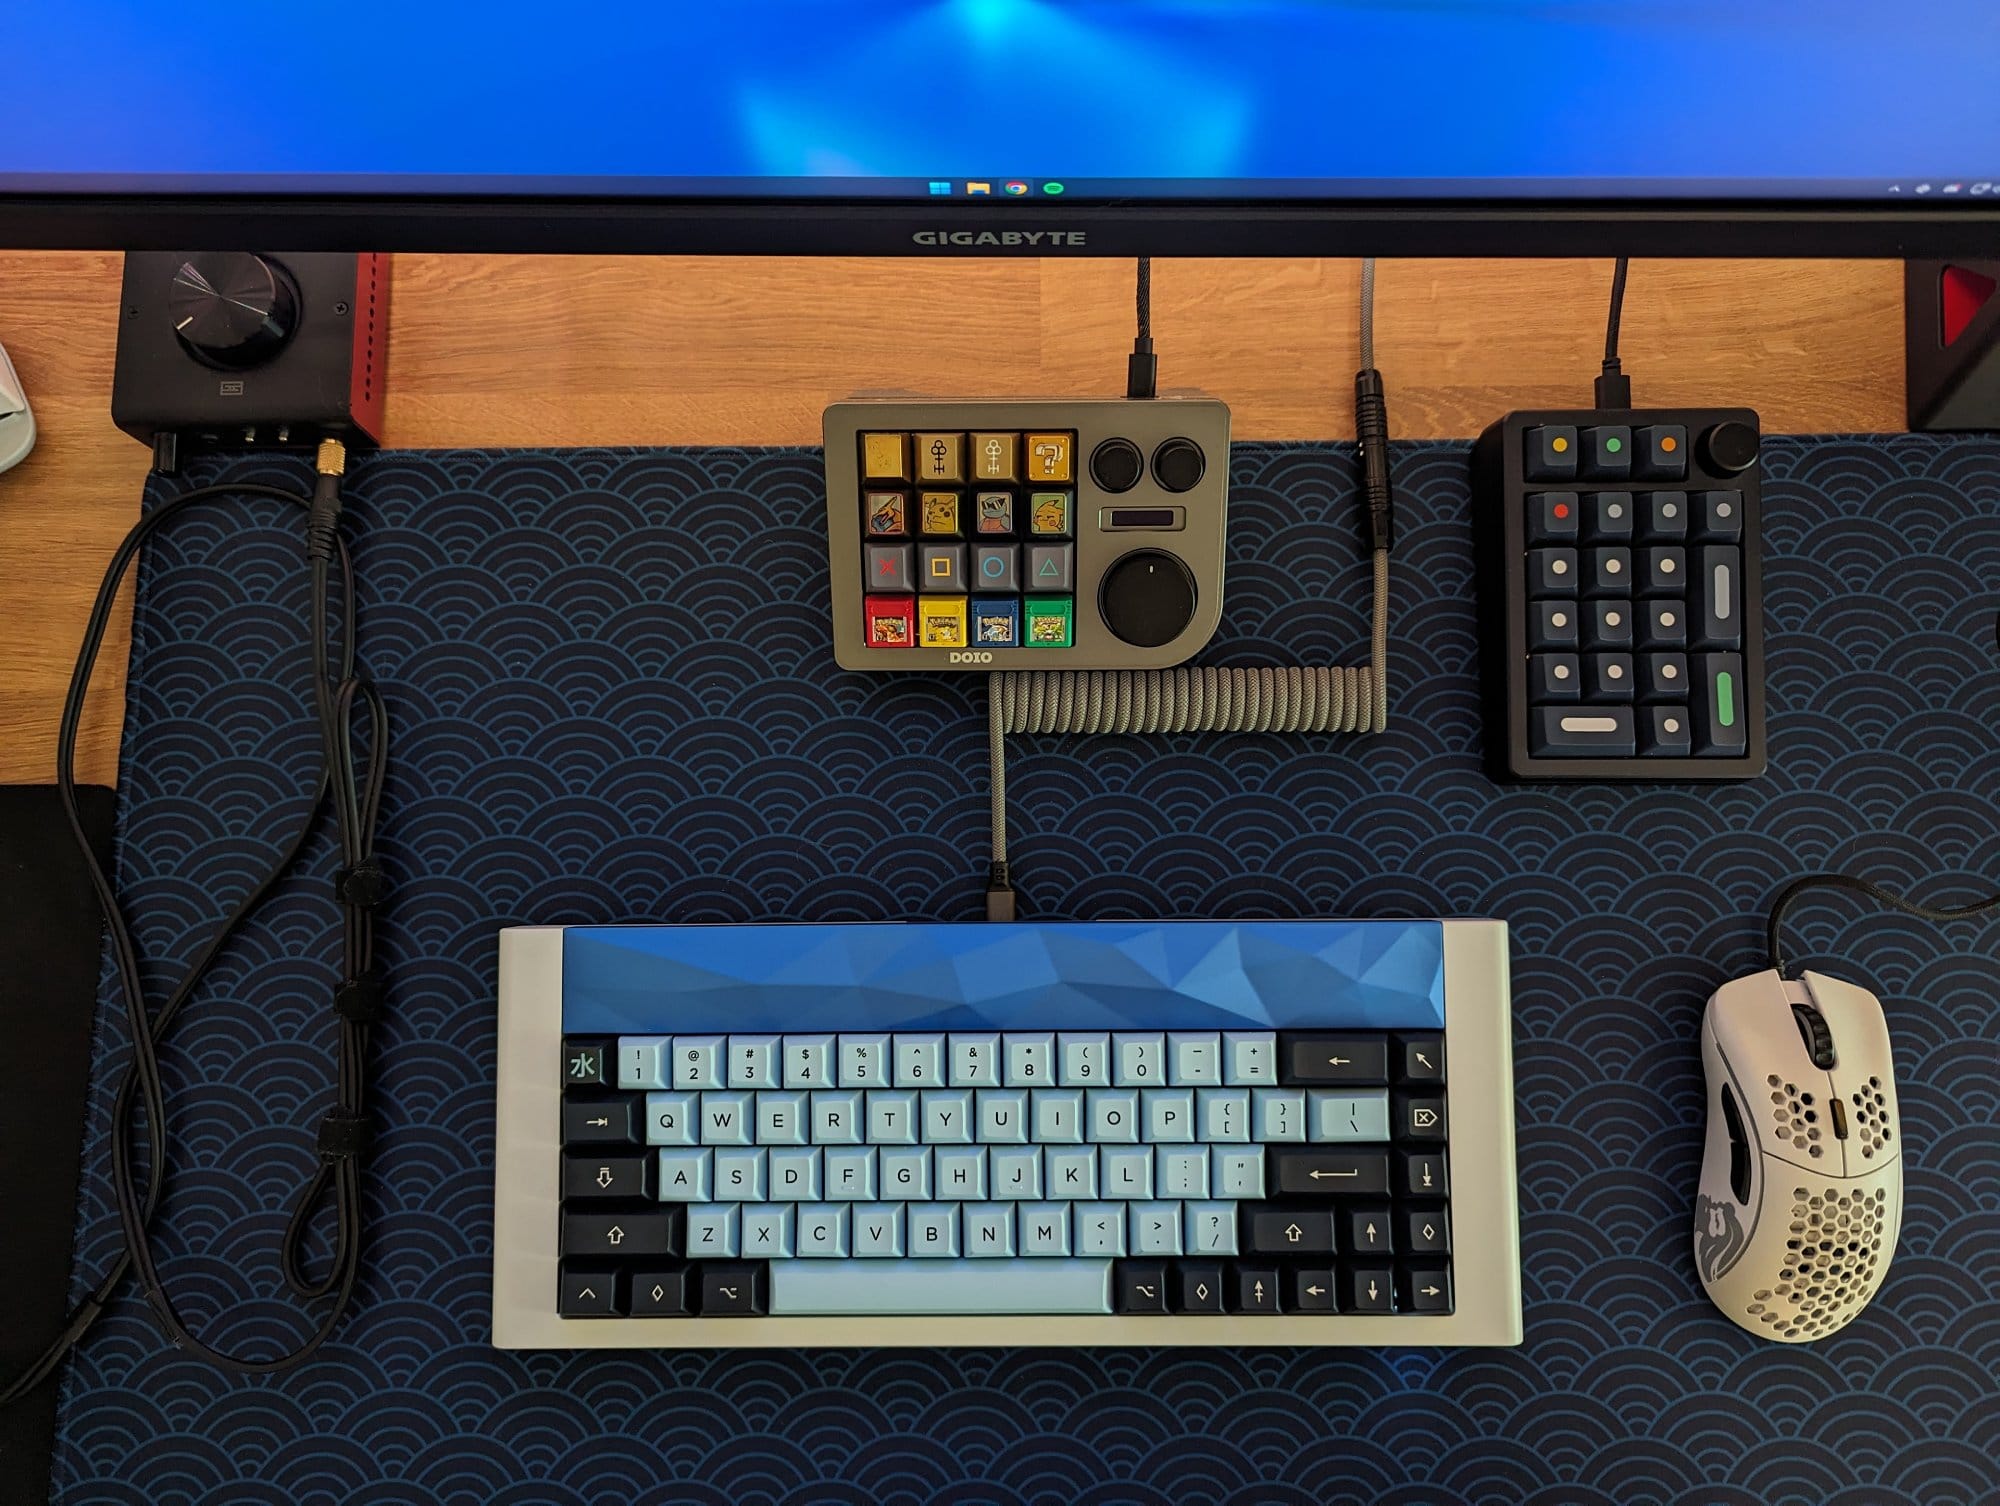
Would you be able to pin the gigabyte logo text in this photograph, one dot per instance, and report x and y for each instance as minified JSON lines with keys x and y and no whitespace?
{"x":1000,"y":237}
{"x":972,"y":658}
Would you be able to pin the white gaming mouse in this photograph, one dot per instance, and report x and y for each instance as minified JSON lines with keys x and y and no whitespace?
{"x":17,"y":423}
{"x":1802,"y":1172}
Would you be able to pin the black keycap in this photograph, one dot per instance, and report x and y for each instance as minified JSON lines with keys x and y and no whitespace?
{"x":1660,"y":452}
{"x":600,"y":1121}
{"x":1421,"y":1173}
{"x":1719,"y":721}
{"x":1663,"y":624}
{"x":607,"y":1176}
{"x":1664,"y":571}
{"x":1718,"y":517}
{"x":1253,"y":1288}
{"x":1327,"y":1171}
{"x":1312,"y":1057}
{"x":1420,"y":1058}
{"x":1580,"y":731}
{"x":1140,"y":1286}
{"x":1666,"y":732}
{"x":661,"y":1292}
{"x":1553,"y":678}
{"x":1550,"y":453}
{"x":1424,"y":1288}
{"x":1367,"y":1231}
{"x":1309,"y":1289}
{"x":1608,"y":624}
{"x":731,"y":1288}
{"x":1663,"y":517}
{"x":1368,"y":1288}
{"x":1607,"y":677}
{"x":1424,"y":1231}
{"x":1607,"y":571}
{"x":586,"y":1063}
{"x":1607,"y":451}
{"x":589,"y":1291}
{"x":1197,"y":1286}
{"x":624,"y":1231}
{"x":1418,"y":1116}
{"x":1552,"y":517}
{"x":1289,"y":1231}
{"x":1551,"y":572}
{"x":1663,"y":677}
{"x":1715,"y":600}
{"x":1608,"y":517}
{"x":1552,"y":624}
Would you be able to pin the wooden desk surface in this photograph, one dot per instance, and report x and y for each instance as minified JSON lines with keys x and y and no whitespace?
{"x":568,"y":351}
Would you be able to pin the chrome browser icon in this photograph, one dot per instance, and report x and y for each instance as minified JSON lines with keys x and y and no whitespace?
{"x":1017,"y":188}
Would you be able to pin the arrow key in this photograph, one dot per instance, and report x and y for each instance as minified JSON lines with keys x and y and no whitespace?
{"x":1420,"y":1059}
{"x":1198,"y":1288}
{"x":1310,"y":1290}
{"x":1424,"y":1231}
{"x":1314,"y":1056}
{"x":585,"y":1291}
{"x":1367,"y":1288}
{"x":1253,"y":1289}
{"x":1368,"y":1231}
{"x":1424,"y":1288}
{"x":660,"y":1292}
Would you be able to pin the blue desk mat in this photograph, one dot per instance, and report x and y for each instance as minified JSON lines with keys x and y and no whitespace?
{"x":613,"y":697}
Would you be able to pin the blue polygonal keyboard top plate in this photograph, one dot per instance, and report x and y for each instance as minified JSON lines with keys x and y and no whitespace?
{"x":1179,"y":975}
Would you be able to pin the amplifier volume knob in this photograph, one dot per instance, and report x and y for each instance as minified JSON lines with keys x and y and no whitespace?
{"x":1147,"y":598}
{"x":233,"y":310}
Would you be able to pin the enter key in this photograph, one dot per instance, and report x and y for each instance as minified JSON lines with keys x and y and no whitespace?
{"x":1720,"y":717}
{"x":1329,"y":1173}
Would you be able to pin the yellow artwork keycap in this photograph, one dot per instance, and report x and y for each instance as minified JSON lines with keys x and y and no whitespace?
{"x":941,"y":621}
{"x":1049,"y":456}
{"x":885,"y":457}
{"x":995,"y":457}
{"x":939,"y":511}
{"x":940,"y":457}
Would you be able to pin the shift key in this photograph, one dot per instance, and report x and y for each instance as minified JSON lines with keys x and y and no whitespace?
{"x":1720,"y":716}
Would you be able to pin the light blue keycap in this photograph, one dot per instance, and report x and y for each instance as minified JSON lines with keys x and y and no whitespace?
{"x":781,"y":1118}
{"x":1194,"y":1059}
{"x":1003,"y":1116}
{"x":1125,"y":1172}
{"x":799,"y":1288}
{"x":1014,"y":1171}
{"x":1249,"y":1058}
{"x":753,"y":1061}
{"x":641,"y":1061}
{"x":725,"y":1118}
{"x":1278,"y":1115}
{"x":1056,"y":1115}
{"x":836,"y":1117}
{"x":892,"y":1117}
{"x":1222,"y":1115}
{"x":933,"y":1230}
{"x":1111,"y":1116}
{"x":794,"y":1174}
{"x":848,"y":1173}
{"x":904,"y":1172}
{"x":958,"y":1172}
{"x":919,"y":1060}
{"x":711,"y":1231}
{"x":671,"y":1119}
{"x":1168,"y":1114}
{"x":697,"y":1062}
{"x":864,"y":1061}
{"x":1335,"y":1117}
{"x":808,"y":1061}
{"x":822,"y":1231}
{"x":973,"y":1059}
{"x":1155,"y":1228}
{"x":947,"y":1116}
{"x":1237,"y":1173}
{"x":989,"y":1230}
{"x":1031,"y":1059}
{"x":1181,"y":1173}
{"x":878,"y":1231}
{"x":1100,"y":1228}
{"x":739,"y":1176}
{"x":1044,"y":1228}
{"x":1211,"y":1228}
{"x":1139,"y":1060}
{"x":1083,"y":1059}
{"x":767,"y":1232}
{"x":684,"y":1175}
{"x":1070,"y":1174}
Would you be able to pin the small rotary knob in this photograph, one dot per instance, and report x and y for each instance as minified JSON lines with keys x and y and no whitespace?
{"x":233,"y":310}
{"x":1147,"y":598}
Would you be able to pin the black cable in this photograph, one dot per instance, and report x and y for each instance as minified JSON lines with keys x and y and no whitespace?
{"x":1142,"y":371}
{"x":357,"y":997}
{"x":1614,"y":388}
{"x":1797,"y":888}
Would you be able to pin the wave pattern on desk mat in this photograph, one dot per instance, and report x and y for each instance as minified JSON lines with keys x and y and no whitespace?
{"x":614,"y":698}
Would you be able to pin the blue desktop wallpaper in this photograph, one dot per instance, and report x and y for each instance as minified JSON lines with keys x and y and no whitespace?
{"x":1782,"y":91}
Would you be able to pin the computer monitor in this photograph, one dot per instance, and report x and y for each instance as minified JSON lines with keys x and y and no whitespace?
{"x":1197,"y":127}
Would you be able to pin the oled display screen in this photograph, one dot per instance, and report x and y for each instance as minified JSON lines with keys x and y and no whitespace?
{"x":999,"y":99}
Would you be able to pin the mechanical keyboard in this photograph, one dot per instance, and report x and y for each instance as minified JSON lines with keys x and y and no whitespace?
{"x":1177,"y":1132}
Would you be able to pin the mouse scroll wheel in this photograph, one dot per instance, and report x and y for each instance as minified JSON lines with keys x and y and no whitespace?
{"x":1813,"y":1031}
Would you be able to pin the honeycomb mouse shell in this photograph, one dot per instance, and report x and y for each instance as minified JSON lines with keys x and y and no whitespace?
{"x":1801,"y":1179}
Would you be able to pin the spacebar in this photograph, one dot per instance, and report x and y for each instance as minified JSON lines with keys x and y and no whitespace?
{"x":824,"y":1287}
